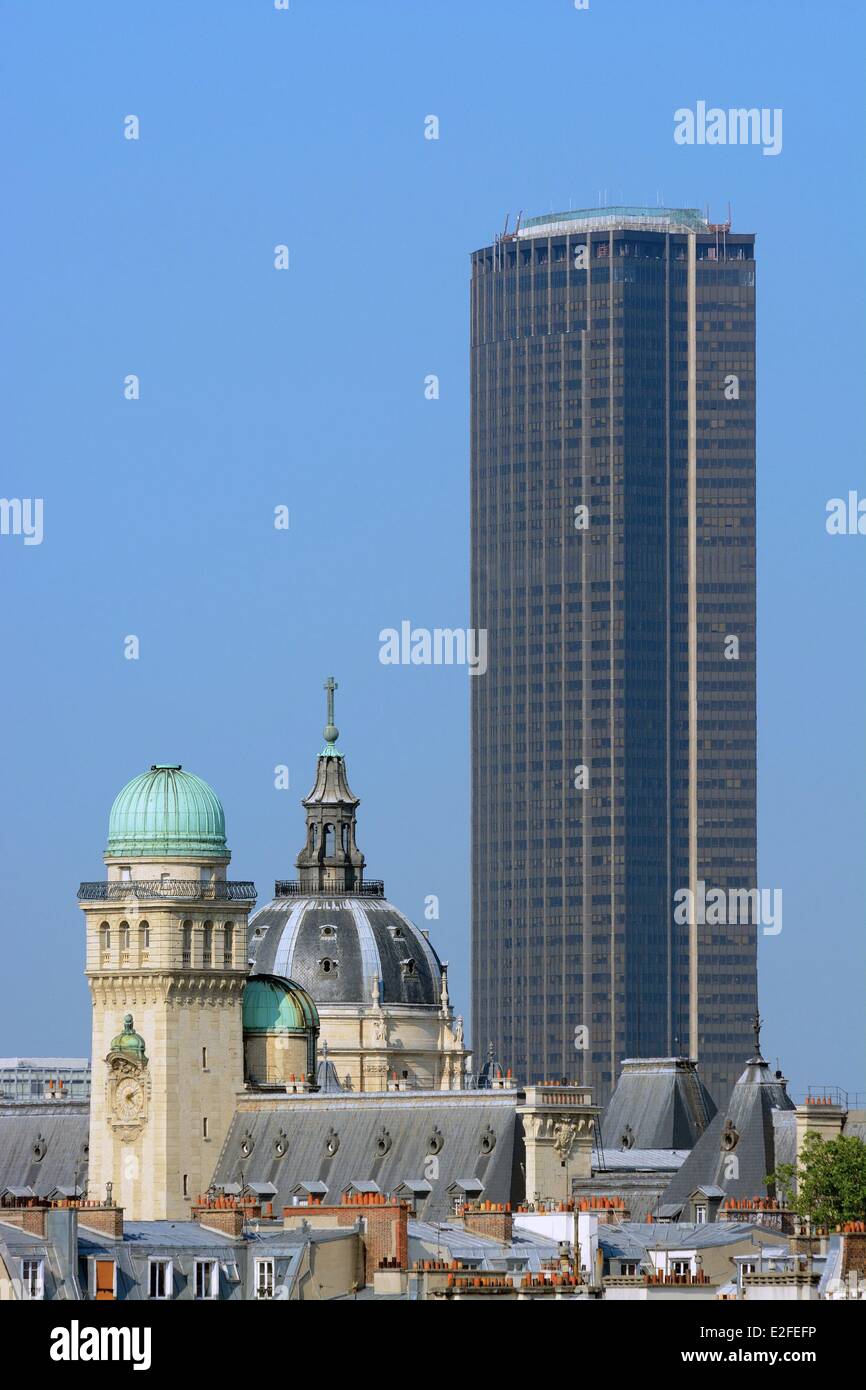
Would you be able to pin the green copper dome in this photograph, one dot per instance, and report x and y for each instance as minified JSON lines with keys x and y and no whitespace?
{"x":128,"y":1041}
{"x":166,"y":811}
{"x":275,"y":1005}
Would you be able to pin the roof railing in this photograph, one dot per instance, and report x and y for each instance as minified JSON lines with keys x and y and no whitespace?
{"x":191,"y":889}
{"x":292,"y":887}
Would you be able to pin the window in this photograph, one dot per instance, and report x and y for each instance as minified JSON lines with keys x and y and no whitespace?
{"x":204,"y":1133}
{"x":160,"y":1279}
{"x":629,"y":1267}
{"x":206,"y":1279}
{"x":144,"y":936}
{"x":264,"y":1278}
{"x":329,"y":841}
{"x":328,"y":966}
{"x":125,"y":873}
{"x":186,"y":943}
{"x":186,"y":1184}
{"x":124,"y":937}
{"x":32,"y":1281}
{"x":680,"y":1266}
{"x":207,"y":956}
{"x":204,"y":1059}
{"x":103,"y":1277}
{"x":228,"y":946}
{"x":230,"y":1270}
{"x":700,"y":1213}
{"x":105,"y":938}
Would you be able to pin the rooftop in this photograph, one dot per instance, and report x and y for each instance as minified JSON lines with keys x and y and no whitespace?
{"x":645,"y":219}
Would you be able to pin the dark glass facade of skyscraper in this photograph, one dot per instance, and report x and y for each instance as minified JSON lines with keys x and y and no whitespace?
{"x":613,"y":735}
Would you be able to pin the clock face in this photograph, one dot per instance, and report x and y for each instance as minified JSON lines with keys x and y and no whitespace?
{"x":129,"y":1099}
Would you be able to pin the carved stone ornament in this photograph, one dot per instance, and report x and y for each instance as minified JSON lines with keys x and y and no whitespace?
{"x":127,"y":1096}
{"x":488,"y":1141}
{"x":564,"y":1135}
{"x":730,"y":1136}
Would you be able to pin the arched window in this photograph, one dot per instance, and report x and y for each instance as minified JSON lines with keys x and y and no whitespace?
{"x":345,"y":837}
{"x":144,"y":936}
{"x":313,"y":836}
{"x":207,"y":952}
{"x":329,"y":841}
{"x":186,"y":943}
{"x":105,"y":938}
{"x":228,"y":945}
{"x":124,"y":936}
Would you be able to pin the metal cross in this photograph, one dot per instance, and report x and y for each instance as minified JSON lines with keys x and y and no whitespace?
{"x":330,"y":687}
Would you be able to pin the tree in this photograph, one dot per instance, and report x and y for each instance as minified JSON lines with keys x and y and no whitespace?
{"x":828,"y":1184}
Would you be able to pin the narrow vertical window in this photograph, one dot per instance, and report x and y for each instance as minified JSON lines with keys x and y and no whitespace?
{"x":228,"y":946}
{"x":207,"y":952}
{"x":204,"y":1133}
{"x":204,"y":1059}
{"x":186,"y":943}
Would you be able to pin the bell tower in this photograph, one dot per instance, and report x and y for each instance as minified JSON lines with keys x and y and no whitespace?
{"x":330,"y":859}
{"x":166,"y":965}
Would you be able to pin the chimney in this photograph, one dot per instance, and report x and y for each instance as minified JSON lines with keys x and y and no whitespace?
{"x":489,"y":1219}
{"x":107,"y":1220}
{"x":33,"y":1221}
{"x":385,"y":1237}
{"x":226,"y":1221}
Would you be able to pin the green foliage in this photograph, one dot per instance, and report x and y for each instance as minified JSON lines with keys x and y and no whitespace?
{"x":828,"y":1185}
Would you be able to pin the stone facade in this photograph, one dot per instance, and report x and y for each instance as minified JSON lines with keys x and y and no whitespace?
{"x":177,"y":962}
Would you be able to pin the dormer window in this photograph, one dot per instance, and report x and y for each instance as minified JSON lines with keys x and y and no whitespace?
{"x":328,"y":966}
{"x":328,"y":932}
{"x":408,"y":967}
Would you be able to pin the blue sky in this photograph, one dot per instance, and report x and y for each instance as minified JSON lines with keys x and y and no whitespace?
{"x":305,"y":388}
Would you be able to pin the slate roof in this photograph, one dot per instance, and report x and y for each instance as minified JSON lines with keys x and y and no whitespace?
{"x":675,"y":1235}
{"x":406,"y":1125}
{"x":451,"y":1241}
{"x":754,"y":1104}
{"x":639,"y":1160}
{"x":62,"y":1127}
{"x":659,"y":1103}
{"x":183,"y":1241}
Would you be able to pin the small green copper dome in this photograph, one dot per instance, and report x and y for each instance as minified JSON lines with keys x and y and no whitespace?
{"x":275,"y":1005}
{"x":128,"y":1041}
{"x":166,"y":811}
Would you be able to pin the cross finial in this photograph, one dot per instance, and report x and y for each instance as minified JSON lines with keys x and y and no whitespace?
{"x":332,"y":733}
{"x":757,"y":1027}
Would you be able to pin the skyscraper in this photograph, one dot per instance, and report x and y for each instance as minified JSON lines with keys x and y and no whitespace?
{"x":613,"y":566}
